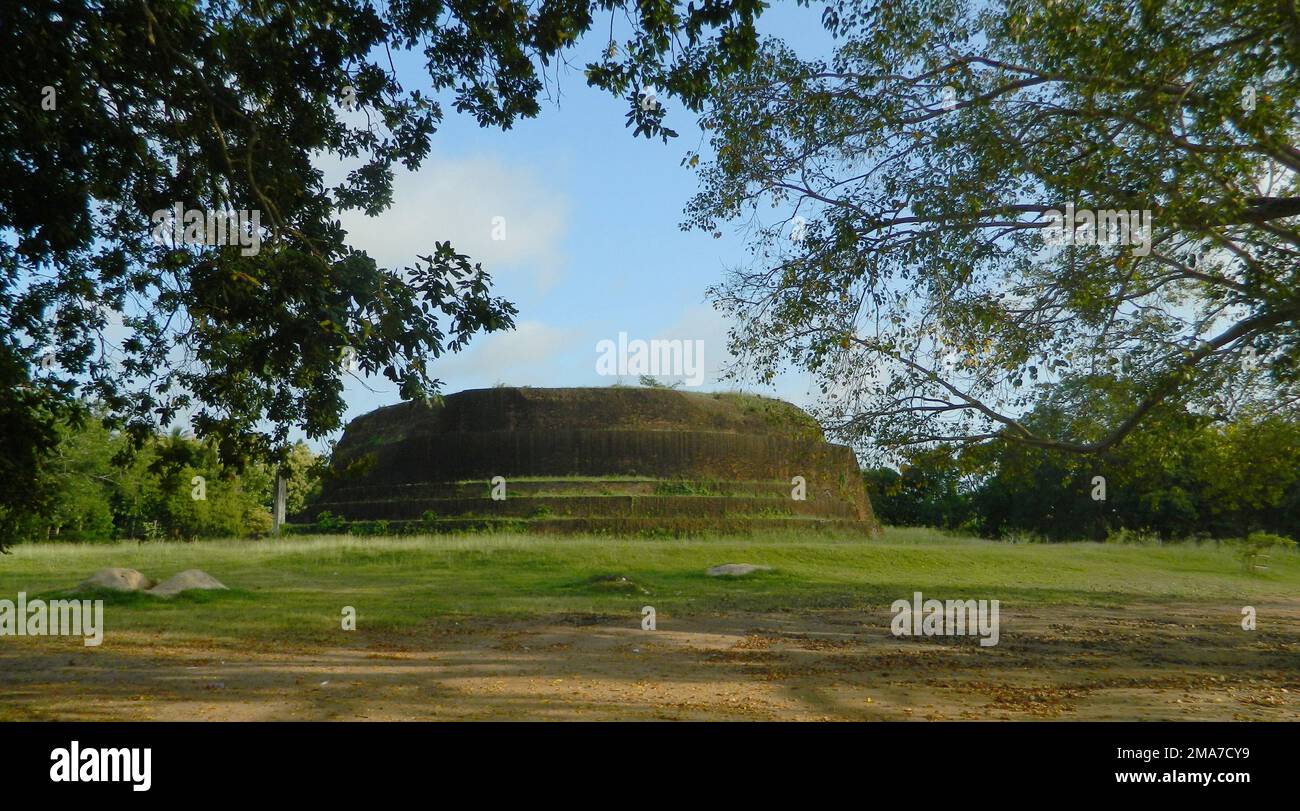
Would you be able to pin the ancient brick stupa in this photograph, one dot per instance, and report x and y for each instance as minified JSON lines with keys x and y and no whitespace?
{"x":618,"y":460}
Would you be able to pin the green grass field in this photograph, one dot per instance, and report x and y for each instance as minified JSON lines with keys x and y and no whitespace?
{"x":293,"y":590}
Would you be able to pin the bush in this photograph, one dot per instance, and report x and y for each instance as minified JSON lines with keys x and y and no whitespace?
{"x":1259,"y":547}
{"x":1019,"y":536}
{"x":1133,"y":537}
{"x":328,"y":521}
{"x":1267,"y":540}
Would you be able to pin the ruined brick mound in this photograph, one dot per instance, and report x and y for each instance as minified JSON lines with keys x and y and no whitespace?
{"x":623,"y":460}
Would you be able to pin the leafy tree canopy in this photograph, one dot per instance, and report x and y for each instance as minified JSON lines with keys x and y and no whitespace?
{"x":917,"y":175}
{"x":115,"y":109}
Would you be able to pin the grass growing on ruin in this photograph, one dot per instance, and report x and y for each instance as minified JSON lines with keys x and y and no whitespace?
{"x":292,"y":591}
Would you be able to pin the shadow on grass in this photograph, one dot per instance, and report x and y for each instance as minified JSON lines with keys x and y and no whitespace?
{"x":781,"y":664}
{"x":143,"y":599}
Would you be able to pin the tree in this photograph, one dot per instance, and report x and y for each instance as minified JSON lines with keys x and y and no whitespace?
{"x":120,"y":111}
{"x":1183,"y":476}
{"x":173,"y":487}
{"x":1050,"y":492}
{"x":927,"y":491}
{"x":918,"y":172}
{"x":81,"y":476}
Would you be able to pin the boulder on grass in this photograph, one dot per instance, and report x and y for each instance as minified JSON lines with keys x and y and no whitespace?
{"x":116,"y":579}
{"x":186,"y":580}
{"x":736,"y":569}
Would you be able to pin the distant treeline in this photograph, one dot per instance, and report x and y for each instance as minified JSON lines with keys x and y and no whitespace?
{"x":98,"y":487}
{"x":1183,"y":477}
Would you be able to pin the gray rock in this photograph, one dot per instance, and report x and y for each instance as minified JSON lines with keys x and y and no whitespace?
{"x":736,"y":569}
{"x":186,"y":580}
{"x":116,"y":579}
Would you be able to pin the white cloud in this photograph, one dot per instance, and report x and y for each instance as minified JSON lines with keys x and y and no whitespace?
{"x":458,"y":200}
{"x":704,"y":323}
{"x":527,"y":355}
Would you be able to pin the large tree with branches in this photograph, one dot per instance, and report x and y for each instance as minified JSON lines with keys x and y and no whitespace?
{"x":114,"y":109}
{"x":916,"y":175}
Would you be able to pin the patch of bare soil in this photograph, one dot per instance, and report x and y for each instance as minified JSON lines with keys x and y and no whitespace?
{"x":1188,"y":662}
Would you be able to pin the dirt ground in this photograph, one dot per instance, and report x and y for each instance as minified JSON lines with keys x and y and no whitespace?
{"x":1190,"y":662}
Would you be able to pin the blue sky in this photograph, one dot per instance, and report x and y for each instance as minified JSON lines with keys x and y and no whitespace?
{"x":592,"y":241}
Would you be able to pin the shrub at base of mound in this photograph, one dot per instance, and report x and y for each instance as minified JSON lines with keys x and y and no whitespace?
{"x":116,"y":579}
{"x":185,"y":581}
